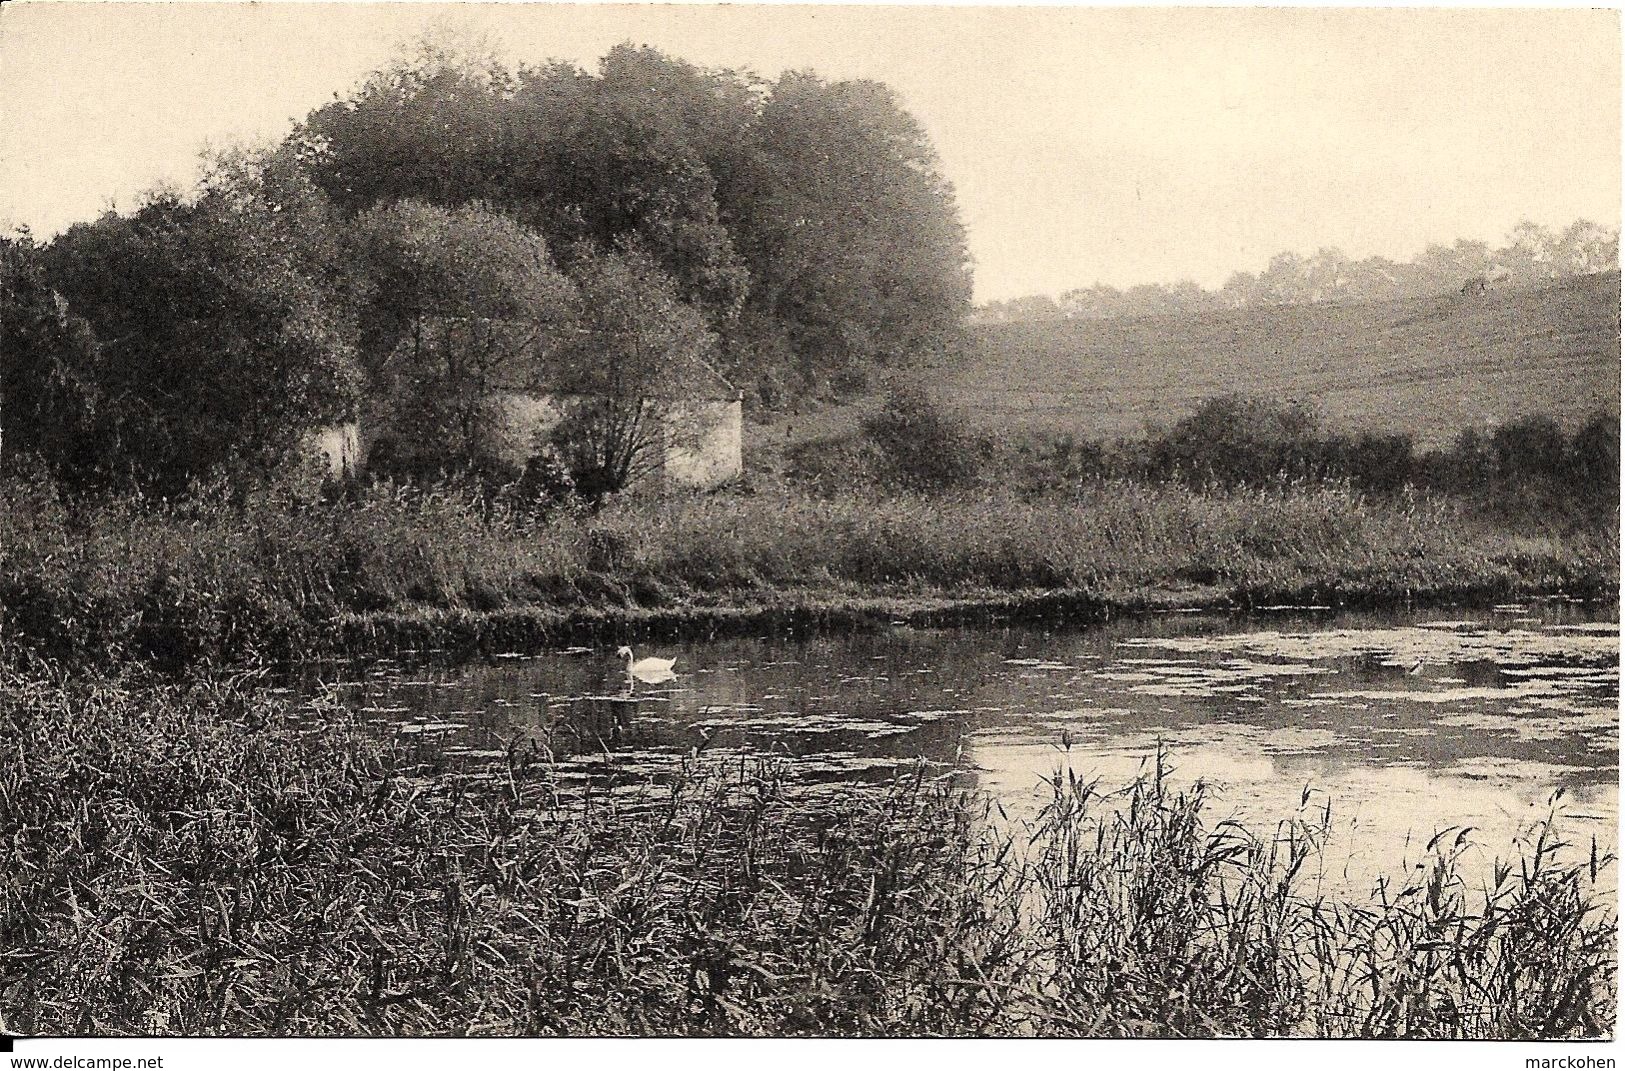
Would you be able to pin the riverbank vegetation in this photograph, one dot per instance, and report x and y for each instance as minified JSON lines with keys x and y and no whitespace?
{"x":281,"y":574}
{"x":210,"y":858}
{"x":1240,"y":504}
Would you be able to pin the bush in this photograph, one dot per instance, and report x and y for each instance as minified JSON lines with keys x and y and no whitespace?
{"x":1593,"y":460}
{"x":545,"y":485}
{"x":1237,"y":441}
{"x":1529,"y":448}
{"x":921,"y":445}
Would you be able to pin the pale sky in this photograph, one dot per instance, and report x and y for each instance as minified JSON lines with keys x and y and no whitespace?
{"x":1119,"y":145}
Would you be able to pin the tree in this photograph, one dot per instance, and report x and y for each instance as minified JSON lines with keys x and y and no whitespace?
{"x":47,"y":365}
{"x":850,"y":230}
{"x":464,"y":304}
{"x":430,"y":126}
{"x":1585,"y":247}
{"x":1529,"y":253}
{"x":627,"y":381}
{"x":807,"y":221}
{"x":218,"y":345}
{"x":1236,"y":440}
{"x":626,"y":156}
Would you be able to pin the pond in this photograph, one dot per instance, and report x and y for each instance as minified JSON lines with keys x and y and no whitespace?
{"x":1406,"y":723}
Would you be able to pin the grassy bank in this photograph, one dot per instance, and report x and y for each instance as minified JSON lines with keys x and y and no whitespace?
{"x":196,"y":860}
{"x":282,"y":575}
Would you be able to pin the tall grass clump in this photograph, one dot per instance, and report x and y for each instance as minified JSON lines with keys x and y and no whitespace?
{"x":280,"y":572}
{"x":207,"y":859}
{"x":1162,"y":924}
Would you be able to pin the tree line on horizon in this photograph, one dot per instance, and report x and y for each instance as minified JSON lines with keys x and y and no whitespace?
{"x":1531,"y":255}
{"x":452,"y":228}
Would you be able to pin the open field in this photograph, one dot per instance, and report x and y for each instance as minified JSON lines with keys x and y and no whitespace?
{"x":1428,"y":367}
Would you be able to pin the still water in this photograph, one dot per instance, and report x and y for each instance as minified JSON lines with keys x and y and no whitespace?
{"x":1406,"y":724}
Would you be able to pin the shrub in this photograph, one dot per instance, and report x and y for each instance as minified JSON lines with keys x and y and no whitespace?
{"x":920,"y":444}
{"x":1235,"y":440}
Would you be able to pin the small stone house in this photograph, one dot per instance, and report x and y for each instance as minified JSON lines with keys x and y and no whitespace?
{"x":707,"y":408}
{"x":707,"y":456}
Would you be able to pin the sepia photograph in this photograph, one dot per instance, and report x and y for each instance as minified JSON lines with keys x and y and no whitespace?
{"x":632,"y":521}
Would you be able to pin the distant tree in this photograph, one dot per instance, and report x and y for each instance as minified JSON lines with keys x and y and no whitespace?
{"x":1284,"y":282}
{"x":1532,"y":255}
{"x":1240,"y":290}
{"x":1034,"y":307}
{"x":1529,"y":254}
{"x":626,"y":381}
{"x":1585,"y":247}
{"x":1097,"y":302}
{"x":463,"y":304}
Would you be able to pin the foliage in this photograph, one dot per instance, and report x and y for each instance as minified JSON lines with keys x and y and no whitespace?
{"x":919,"y":444}
{"x":855,"y":247}
{"x":1526,"y":472}
{"x":1532,"y":255}
{"x":216,"y":340}
{"x":807,"y":221}
{"x":639,"y":358}
{"x":48,"y":358}
{"x":464,"y":305}
{"x":270,"y":571}
{"x":1235,"y":440}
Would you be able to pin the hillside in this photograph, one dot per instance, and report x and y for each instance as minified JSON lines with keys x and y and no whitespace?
{"x":1427,"y":366}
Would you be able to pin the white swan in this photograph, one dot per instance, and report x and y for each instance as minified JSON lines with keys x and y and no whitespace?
{"x":644,"y":668}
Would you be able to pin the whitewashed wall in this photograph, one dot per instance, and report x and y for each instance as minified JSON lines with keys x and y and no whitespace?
{"x":711,"y":454}
{"x":337,"y":447}
{"x":705,"y":453}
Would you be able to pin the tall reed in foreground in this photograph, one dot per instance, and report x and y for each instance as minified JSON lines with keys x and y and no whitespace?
{"x":210,"y":858}
{"x":1160,"y":924}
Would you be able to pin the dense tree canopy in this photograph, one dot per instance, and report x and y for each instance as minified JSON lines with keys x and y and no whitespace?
{"x":215,"y":341}
{"x":460,"y":304}
{"x":452,"y":230}
{"x":808,"y":221}
{"x":857,"y":252}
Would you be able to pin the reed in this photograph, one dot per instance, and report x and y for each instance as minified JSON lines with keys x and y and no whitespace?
{"x":209,"y":857}
{"x":276,"y":575}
